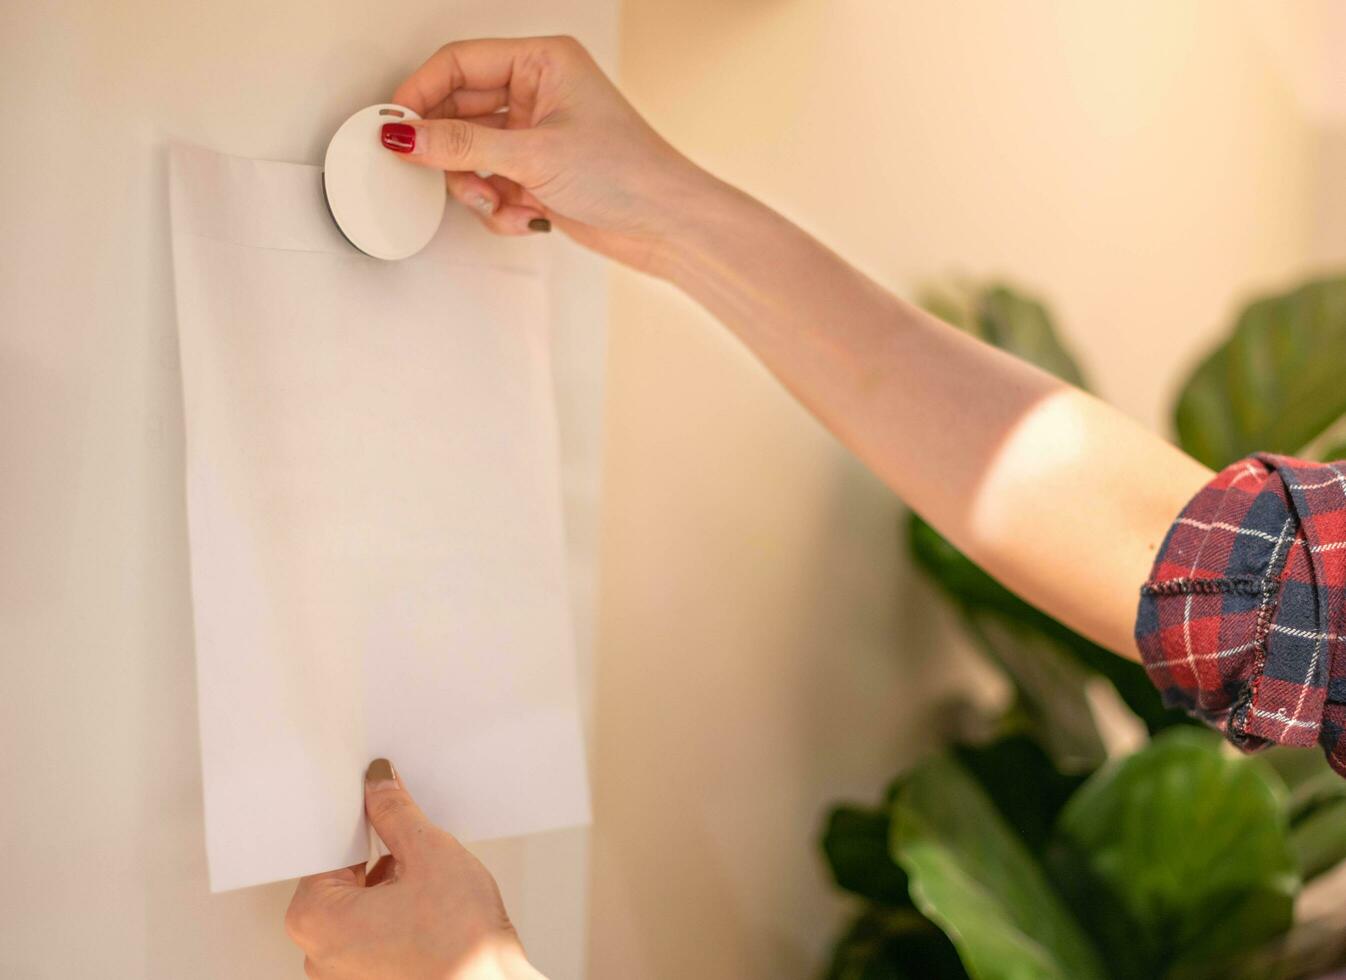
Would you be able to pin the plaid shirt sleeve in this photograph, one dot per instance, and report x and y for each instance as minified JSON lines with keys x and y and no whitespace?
{"x":1241,"y":620}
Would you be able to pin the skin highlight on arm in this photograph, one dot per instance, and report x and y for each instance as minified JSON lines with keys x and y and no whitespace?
{"x":1061,"y":497}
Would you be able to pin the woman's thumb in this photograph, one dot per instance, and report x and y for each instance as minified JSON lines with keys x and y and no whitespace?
{"x":392,"y":811}
{"x":455,"y":144}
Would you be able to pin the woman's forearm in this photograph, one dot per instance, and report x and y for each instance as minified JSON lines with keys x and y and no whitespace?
{"x":1058,"y":495}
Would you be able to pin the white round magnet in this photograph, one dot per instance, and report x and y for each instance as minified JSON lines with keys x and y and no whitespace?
{"x":386,"y":207}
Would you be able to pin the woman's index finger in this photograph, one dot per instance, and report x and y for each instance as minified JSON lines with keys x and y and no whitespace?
{"x":485,"y":63}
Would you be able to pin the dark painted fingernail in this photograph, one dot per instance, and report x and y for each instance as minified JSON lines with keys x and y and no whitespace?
{"x":380,"y":774}
{"x":399,"y":137}
{"x":540,"y":224}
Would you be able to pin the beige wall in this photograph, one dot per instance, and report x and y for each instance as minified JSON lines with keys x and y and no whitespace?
{"x":763,"y":648}
{"x":100,"y":810}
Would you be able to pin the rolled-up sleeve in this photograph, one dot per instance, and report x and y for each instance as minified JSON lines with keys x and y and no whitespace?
{"x":1240,"y":622}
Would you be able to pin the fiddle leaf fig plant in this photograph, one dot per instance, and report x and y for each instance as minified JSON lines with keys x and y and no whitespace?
{"x":1179,"y":858}
{"x":1275,"y":385}
{"x":974,"y":876}
{"x":1032,"y":856}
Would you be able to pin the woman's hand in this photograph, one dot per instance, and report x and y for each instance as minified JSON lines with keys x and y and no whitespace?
{"x":429,"y":911}
{"x":561,"y":143}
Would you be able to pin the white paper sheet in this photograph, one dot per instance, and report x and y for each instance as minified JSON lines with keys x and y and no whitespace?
{"x":376,"y":541}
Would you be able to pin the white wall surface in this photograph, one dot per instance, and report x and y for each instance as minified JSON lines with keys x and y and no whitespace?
{"x":764,"y":647}
{"x":100,"y":824}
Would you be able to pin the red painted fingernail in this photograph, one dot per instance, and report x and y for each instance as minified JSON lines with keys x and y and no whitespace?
{"x":399,"y":137}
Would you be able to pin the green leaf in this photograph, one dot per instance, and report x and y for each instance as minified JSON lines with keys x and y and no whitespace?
{"x":1275,"y":384}
{"x":975,"y":878}
{"x":882,"y":945}
{"x":1179,"y":858}
{"x":1316,"y":808}
{"x":1007,"y":318}
{"x":1019,"y":778}
{"x":965,"y":582}
{"x":1049,"y":684}
{"x":1332,"y":453}
{"x":1319,"y":839}
{"x":855,"y":843}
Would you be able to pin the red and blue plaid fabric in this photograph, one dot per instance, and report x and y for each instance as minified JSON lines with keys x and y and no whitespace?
{"x":1241,"y":621}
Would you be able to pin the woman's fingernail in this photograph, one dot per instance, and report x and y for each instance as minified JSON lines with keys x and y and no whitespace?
{"x":540,"y":224}
{"x":399,"y":137}
{"x":380,"y":775}
{"x":484,"y":204}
